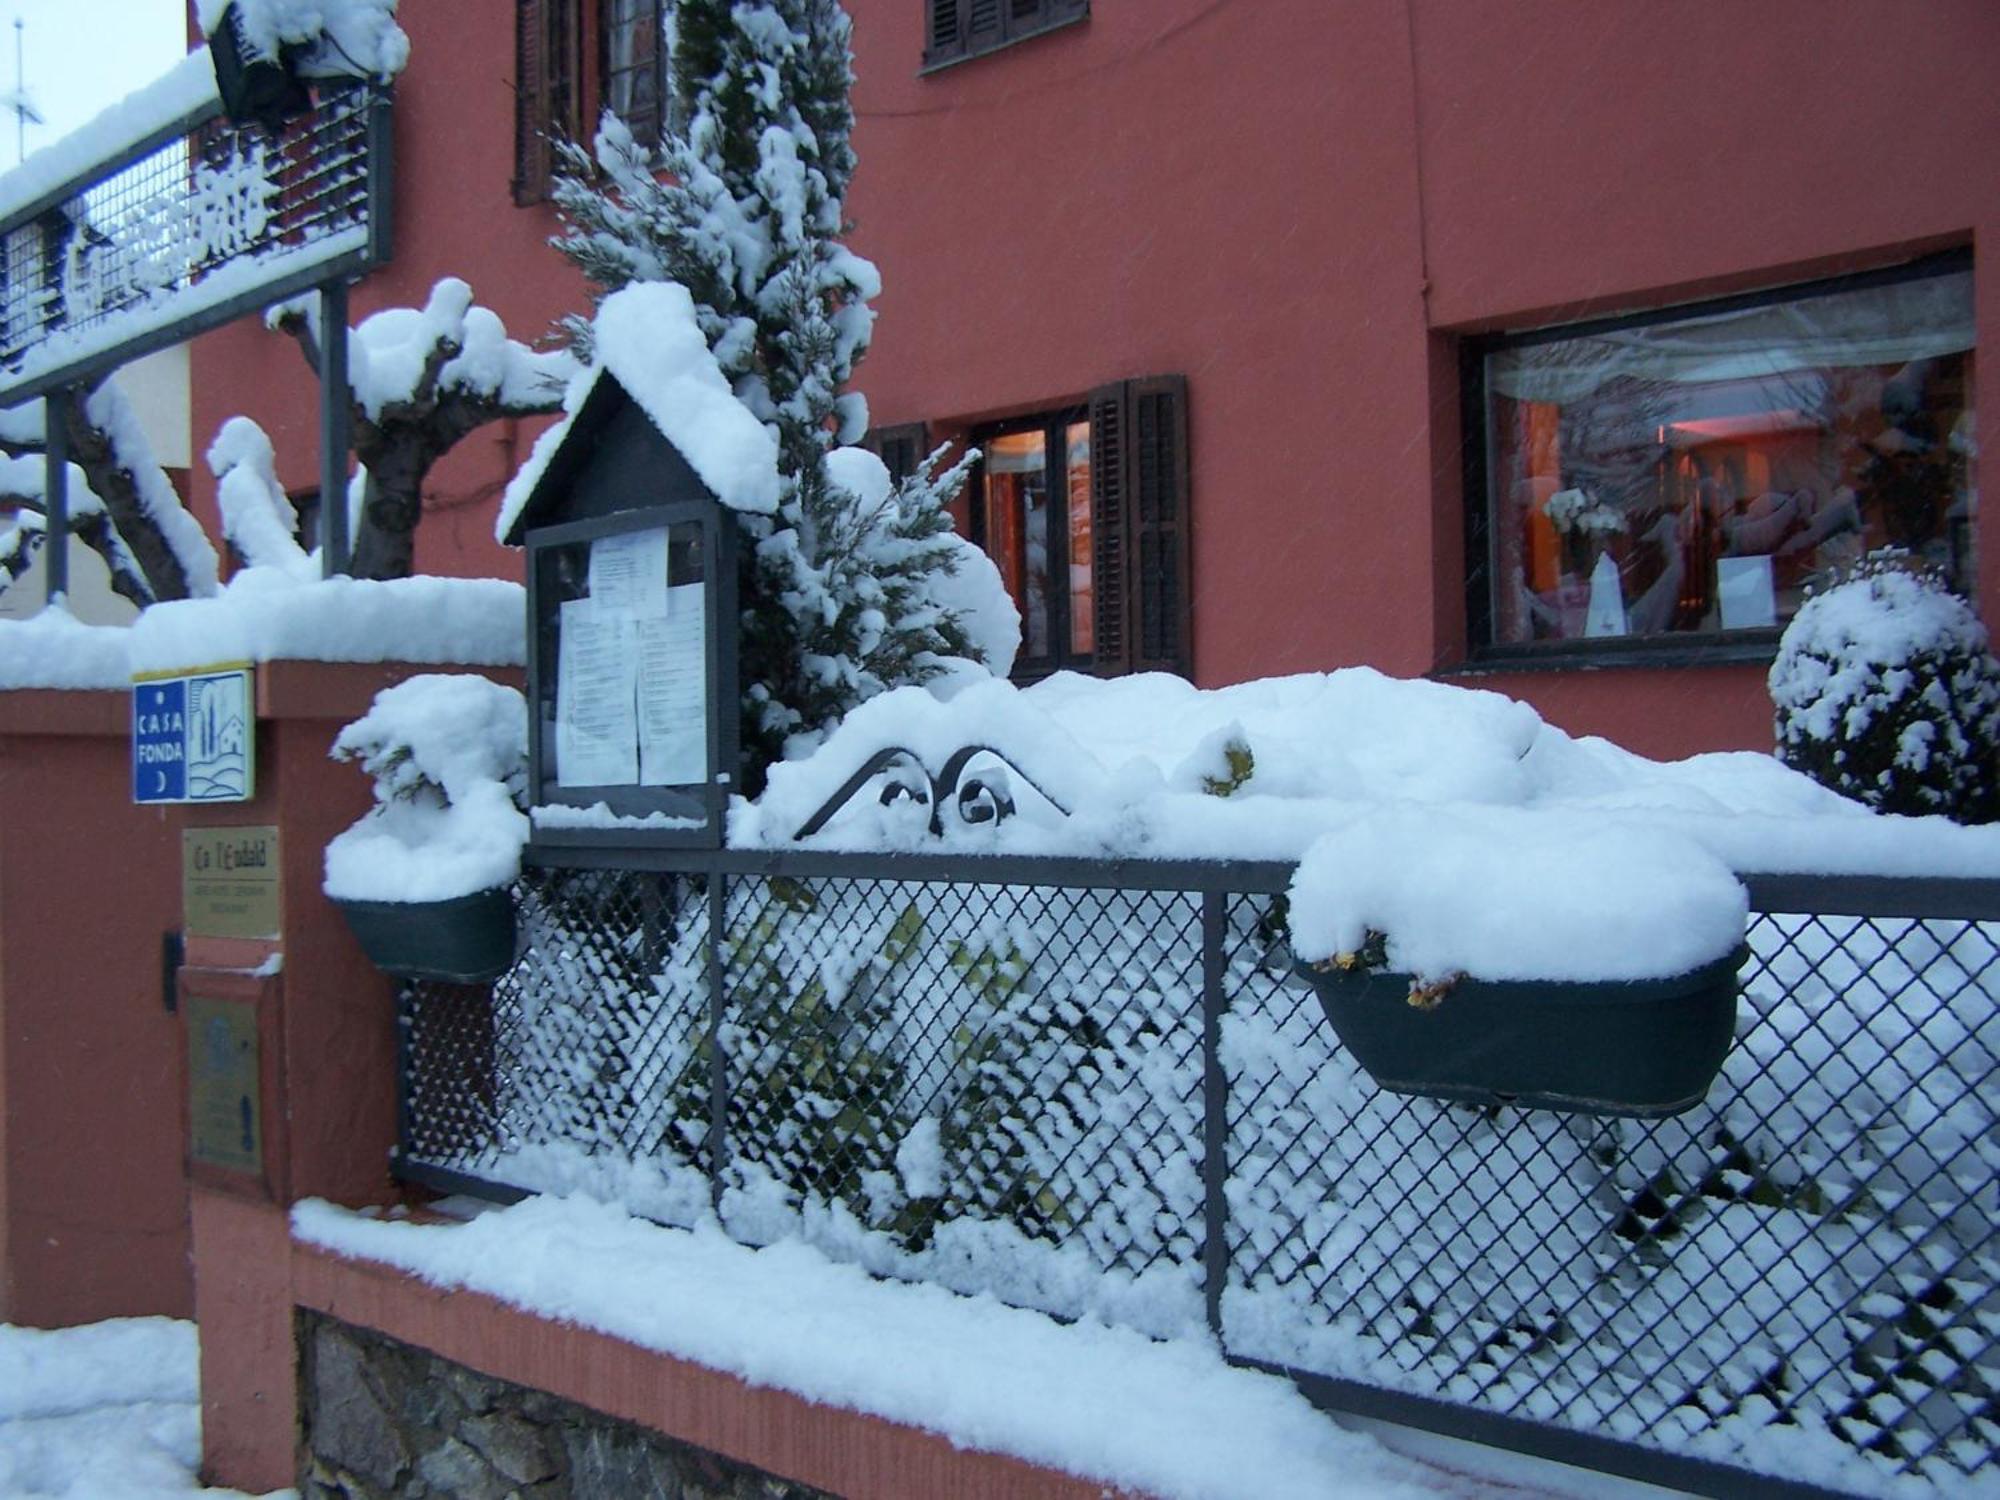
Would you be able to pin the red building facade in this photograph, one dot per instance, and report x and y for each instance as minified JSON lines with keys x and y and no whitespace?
{"x":1553,"y":346}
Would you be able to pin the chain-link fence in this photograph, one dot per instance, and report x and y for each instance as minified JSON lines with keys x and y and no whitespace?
{"x":1099,"y":1091}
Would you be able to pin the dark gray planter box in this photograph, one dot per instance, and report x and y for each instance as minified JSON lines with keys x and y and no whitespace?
{"x":1643,"y":1048}
{"x":464,"y":940}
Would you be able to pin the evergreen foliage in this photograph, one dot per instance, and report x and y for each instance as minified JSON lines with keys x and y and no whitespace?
{"x":1886,"y":692}
{"x":742,"y":206}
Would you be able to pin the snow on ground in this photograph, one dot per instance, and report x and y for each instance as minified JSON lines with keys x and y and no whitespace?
{"x":1165,"y":1419}
{"x":104,"y":1412}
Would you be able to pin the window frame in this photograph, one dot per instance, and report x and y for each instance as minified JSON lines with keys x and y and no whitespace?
{"x":957,"y":31}
{"x":1755,"y":645}
{"x":1053,"y":424}
{"x":562,"y":84}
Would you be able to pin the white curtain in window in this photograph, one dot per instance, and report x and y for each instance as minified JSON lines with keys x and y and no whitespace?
{"x":1878,"y":325}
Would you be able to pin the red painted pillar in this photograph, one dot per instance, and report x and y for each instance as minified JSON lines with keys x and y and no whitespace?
{"x":93,"y":1205}
{"x":325,"y":1034}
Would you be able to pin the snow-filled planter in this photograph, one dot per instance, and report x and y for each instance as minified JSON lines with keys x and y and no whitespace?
{"x":424,"y":879}
{"x":1638,"y":1047}
{"x":1536,"y":961}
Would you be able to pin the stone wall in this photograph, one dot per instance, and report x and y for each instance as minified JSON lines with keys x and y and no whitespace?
{"x":383,"y":1419}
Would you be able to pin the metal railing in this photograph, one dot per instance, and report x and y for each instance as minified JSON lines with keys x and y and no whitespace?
{"x":186,"y":228}
{"x":1097,"y":1089}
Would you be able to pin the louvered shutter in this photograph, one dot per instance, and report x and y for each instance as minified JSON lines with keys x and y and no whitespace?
{"x":1157,"y":545}
{"x":1108,"y":575}
{"x":533,"y":77}
{"x":947,"y":31}
{"x":548,"y":89}
{"x":984,"y":24}
{"x":1139,"y":517}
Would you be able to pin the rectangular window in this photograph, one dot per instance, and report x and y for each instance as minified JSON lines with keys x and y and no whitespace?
{"x":634,"y":64}
{"x":1084,"y":512}
{"x":958,"y":29}
{"x":1686,"y":475}
{"x":625,"y":43}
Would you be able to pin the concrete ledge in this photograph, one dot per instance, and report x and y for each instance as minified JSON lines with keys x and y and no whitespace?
{"x":343,"y":690}
{"x":849,"y":1453}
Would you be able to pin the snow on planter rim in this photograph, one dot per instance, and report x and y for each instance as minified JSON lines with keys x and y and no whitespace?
{"x":1498,"y":893}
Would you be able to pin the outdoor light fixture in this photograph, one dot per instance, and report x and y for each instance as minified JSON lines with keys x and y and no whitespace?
{"x":257,"y":87}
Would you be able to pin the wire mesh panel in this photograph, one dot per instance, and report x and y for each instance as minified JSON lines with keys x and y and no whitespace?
{"x":1798,"y":1277}
{"x":587,"y":1047}
{"x":187,"y":231}
{"x":996,"y":1087}
{"x":1002,"y":1087}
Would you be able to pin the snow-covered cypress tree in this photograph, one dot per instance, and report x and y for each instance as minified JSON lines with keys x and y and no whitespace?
{"x":743,"y":206}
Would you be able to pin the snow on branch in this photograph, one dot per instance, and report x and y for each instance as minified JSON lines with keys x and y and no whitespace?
{"x":257,"y":514}
{"x":421,"y":379}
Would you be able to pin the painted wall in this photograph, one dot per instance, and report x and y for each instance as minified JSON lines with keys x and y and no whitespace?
{"x":93,"y":1204}
{"x":1300,"y":205}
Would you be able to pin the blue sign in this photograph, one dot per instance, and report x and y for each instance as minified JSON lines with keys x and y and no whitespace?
{"x":193,"y":738}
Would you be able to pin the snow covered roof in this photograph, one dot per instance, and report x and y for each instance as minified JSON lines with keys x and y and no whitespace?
{"x":649,"y":351}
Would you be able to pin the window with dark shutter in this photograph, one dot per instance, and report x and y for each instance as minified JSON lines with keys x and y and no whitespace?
{"x":958,"y":29}
{"x":1084,"y":513}
{"x":547,"y":89}
{"x":632,"y":63}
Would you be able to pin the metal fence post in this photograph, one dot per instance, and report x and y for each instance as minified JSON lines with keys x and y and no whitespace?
{"x":335,"y":430}
{"x":718,"y":1065}
{"x":55,"y":494}
{"x":1215,"y":1108}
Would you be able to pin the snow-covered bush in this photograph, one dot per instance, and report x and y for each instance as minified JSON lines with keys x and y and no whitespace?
{"x":449,"y":754}
{"x":1886,"y":691}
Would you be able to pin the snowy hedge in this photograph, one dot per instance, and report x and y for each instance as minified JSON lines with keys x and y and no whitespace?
{"x":1886,"y":691}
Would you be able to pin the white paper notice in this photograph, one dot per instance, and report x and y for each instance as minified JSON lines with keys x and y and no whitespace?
{"x":1743,"y":587}
{"x":628,"y":573}
{"x":673,"y":692}
{"x":597,"y":738}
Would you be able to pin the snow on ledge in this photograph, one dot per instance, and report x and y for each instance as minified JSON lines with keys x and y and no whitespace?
{"x":56,"y":650}
{"x":265,"y":615}
{"x":1165,"y":1419}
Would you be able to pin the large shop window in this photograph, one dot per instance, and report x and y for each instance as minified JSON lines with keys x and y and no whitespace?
{"x":1084,"y":511}
{"x":959,"y":29}
{"x":1686,"y":476}
{"x":626,"y":43}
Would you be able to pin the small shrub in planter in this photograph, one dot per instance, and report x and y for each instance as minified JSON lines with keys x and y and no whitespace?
{"x":1886,"y":692}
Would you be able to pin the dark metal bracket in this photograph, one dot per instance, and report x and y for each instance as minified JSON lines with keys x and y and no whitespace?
{"x":982,"y":797}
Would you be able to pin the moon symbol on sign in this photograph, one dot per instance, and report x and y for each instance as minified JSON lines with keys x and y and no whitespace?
{"x":162,"y":777}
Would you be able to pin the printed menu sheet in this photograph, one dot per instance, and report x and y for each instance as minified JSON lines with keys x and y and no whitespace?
{"x":632,"y":678}
{"x":673,"y":691}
